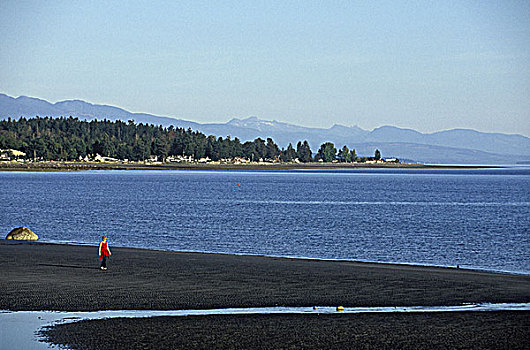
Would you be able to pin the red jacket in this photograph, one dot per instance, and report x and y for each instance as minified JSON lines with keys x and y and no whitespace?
{"x":104,"y":250}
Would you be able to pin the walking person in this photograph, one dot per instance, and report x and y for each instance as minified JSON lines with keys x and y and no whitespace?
{"x":104,"y":252}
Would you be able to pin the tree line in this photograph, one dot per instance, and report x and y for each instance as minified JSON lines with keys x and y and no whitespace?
{"x":72,"y":139}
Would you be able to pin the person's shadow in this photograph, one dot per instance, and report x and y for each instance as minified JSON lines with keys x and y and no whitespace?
{"x":70,"y":266}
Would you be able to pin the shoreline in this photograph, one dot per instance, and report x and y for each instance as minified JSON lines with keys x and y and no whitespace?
{"x":48,"y":276}
{"x":228,"y":254}
{"x":66,"y":277}
{"x":82,"y":166}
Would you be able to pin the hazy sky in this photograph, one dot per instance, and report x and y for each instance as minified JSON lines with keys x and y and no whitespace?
{"x":427,"y":65}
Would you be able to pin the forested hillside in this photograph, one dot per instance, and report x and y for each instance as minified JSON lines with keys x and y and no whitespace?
{"x":72,"y":139}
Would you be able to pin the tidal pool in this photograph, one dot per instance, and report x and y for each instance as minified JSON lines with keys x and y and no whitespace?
{"x":19,"y":329}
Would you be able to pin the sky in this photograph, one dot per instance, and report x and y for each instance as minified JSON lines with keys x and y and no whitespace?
{"x":425,"y":65}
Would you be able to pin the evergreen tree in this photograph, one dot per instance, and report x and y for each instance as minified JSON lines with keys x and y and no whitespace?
{"x":289,"y":154}
{"x":272,"y":150}
{"x":260,"y":149}
{"x":326,"y":152}
{"x":236,"y":149}
{"x":249,"y":150}
{"x":161,"y":148}
{"x":353,"y":155}
{"x":345,"y":155}
{"x":303,"y":152}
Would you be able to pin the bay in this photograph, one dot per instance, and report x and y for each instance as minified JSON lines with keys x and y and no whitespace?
{"x":475,"y":218}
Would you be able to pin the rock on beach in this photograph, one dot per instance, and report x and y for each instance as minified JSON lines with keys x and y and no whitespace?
{"x":22,"y":234}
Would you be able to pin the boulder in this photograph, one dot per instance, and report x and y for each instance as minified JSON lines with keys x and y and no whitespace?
{"x":22,"y":234}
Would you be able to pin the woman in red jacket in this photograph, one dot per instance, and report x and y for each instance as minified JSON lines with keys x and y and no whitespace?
{"x":104,"y":252}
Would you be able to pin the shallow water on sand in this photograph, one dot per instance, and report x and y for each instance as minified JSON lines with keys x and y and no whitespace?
{"x":19,"y":329}
{"x":473,"y":218}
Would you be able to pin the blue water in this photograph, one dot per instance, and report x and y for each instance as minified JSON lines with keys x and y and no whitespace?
{"x":473,"y":218}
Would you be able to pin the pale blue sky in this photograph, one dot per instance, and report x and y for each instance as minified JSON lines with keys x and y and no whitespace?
{"x":427,"y":65}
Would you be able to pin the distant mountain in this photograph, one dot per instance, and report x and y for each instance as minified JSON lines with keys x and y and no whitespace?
{"x":31,"y":107}
{"x":431,"y":154}
{"x":459,"y":138}
{"x":462,"y":146}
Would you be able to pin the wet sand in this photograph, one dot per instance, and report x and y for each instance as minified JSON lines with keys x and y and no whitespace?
{"x":37,"y":276}
{"x":459,"y":330}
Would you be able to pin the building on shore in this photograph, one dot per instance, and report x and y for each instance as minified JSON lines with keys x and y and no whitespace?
{"x":11,"y":154}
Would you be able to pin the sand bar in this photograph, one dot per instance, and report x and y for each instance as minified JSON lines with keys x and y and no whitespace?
{"x":461,"y":330}
{"x":38,"y":276}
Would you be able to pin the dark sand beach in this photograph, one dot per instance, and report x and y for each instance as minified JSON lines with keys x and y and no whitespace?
{"x":39,"y":276}
{"x":460,"y":330}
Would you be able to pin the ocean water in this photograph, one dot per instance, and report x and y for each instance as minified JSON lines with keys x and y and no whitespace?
{"x":477,"y":218}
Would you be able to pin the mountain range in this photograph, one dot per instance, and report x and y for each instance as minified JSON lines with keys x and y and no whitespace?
{"x":456,"y":146}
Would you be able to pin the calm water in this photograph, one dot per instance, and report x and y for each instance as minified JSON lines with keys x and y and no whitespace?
{"x":475,"y":218}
